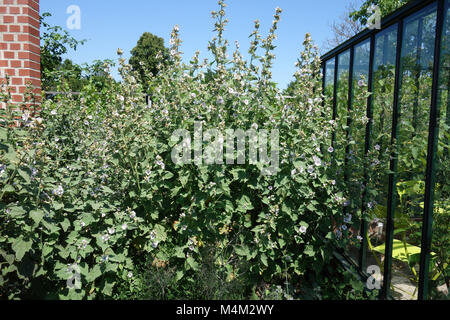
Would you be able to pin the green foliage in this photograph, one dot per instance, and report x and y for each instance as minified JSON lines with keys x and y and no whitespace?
{"x":148,"y":57}
{"x":386,"y":7}
{"x":336,"y":283}
{"x":88,"y":184}
{"x":55,"y":42}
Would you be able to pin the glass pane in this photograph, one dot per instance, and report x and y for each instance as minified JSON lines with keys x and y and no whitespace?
{"x":357,"y":133}
{"x":329,"y":78}
{"x":439,"y":272}
{"x":415,"y":99}
{"x":338,"y":155}
{"x":378,"y":156}
{"x":329,"y":93}
{"x":342,"y":106}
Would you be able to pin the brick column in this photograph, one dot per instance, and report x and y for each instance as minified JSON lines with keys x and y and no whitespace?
{"x":20,"y":46}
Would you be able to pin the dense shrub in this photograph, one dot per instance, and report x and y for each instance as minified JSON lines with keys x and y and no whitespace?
{"x":88,"y":184}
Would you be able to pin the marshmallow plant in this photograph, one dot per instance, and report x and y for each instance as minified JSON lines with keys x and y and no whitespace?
{"x":90,"y":190}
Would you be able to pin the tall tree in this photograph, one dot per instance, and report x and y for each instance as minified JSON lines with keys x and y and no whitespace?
{"x":147,"y":55}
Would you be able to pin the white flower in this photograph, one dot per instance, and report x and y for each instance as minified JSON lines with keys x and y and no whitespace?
{"x":58,"y":191}
{"x":25,"y":115}
{"x":53,"y":112}
{"x":359,"y":238}
{"x":161,"y":164}
{"x":293,"y":172}
{"x":302,"y":229}
{"x":111,"y":230}
{"x":105,"y":237}
{"x":377,"y":147}
{"x":361,"y":83}
{"x":330,"y":149}
{"x":130,"y":274}
{"x":152,"y":235}
{"x":270,"y":188}
{"x":124,"y":226}
{"x":317,"y":161}
{"x":2,"y":169}
{"x":155,"y":244}
{"x":344,"y":227}
{"x":333,"y":182}
{"x":255,"y":126}
{"x":220,"y":100}
{"x":82,"y":223}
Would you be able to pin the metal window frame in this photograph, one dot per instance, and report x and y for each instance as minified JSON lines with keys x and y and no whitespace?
{"x":397,"y":17}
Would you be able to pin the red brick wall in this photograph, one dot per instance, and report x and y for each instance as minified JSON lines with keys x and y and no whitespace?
{"x":20,"y":46}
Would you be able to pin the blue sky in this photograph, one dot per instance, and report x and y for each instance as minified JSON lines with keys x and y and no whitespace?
{"x":108,"y":25}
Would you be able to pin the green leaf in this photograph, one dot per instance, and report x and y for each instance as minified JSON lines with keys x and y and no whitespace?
{"x":8,"y":188}
{"x":25,"y":175}
{"x":309,"y":251}
{"x":179,"y":275}
{"x":244,"y":204}
{"x":94,"y":273}
{"x":17,"y":212}
{"x":57,"y":206}
{"x":242,"y":251}
{"x":168,"y":175}
{"x":264,"y":259}
{"x":192,"y":263}
{"x":20,"y":247}
{"x":65,"y":224}
{"x":161,"y":234}
{"x":36,"y":215}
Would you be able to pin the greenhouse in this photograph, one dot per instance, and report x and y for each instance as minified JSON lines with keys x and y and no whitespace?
{"x":406,"y":66}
